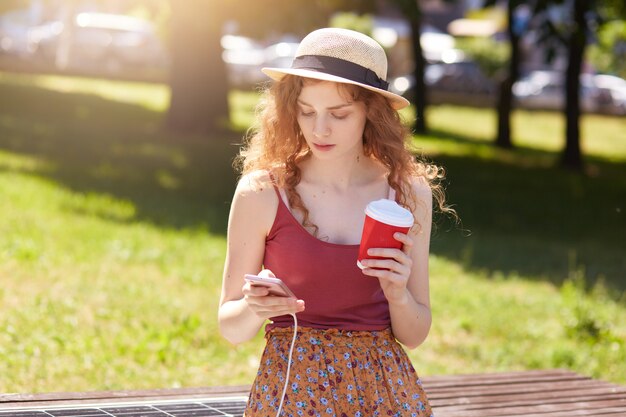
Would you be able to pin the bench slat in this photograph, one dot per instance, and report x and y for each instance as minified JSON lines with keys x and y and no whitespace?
{"x":528,"y":388}
{"x":535,"y":398}
{"x":550,"y":393}
{"x":544,"y":409}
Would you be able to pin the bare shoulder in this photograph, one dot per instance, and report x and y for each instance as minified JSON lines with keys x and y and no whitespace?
{"x":255,"y":198}
{"x":423,"y":197}
{"x":421,"y":189}
{"x":255,"y":183}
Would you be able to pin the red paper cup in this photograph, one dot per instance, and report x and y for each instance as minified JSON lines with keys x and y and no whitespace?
{"x":383,"y":218}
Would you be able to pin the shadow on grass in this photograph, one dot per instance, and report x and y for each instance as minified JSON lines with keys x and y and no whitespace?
{"x":536,"y":220}
{"x":91,"y":144}
{"x":521,"y":155}
{"x":525,"y":216}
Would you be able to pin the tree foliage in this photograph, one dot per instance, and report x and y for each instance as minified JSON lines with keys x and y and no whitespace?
{"x":569,"y":25}
{"x":350,"y":20}
{"x":8,"y":5}
{"x":490,"y":55}
{"x":262,"y":18}
{"x":608,"y":54}
{"x":574,"y":29}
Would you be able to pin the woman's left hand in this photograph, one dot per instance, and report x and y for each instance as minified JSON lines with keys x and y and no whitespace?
{"x":395,"y":269}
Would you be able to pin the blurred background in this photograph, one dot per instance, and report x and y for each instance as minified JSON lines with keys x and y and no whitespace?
{"x":464,"y":45}
{"x":120,"y":119}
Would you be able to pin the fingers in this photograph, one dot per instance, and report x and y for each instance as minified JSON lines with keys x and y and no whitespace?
{"x":265,"y":305}
{"x":270,"y":301}
{"x":392,"y":259}
{"x":254,"y":290}
{"x":272,"y":306}
{"x":266,"y":273}
{"x":388,"y":269}
{"x":407,"y":242}
{"x":400,"y":255}
{"x":390,"y":263}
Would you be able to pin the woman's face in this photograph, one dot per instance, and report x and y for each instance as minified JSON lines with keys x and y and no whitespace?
{"x":331,"y":122}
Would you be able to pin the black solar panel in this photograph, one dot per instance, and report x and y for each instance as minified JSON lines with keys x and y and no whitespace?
{"x":231,"y":407}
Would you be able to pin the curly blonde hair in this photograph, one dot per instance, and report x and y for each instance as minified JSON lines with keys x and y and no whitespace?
{"x":276,"y":145}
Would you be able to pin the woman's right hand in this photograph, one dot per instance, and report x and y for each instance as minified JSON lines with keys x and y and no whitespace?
{"x":266,"y":306}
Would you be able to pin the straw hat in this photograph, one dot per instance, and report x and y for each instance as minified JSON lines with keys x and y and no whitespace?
{"x":342,"y":56}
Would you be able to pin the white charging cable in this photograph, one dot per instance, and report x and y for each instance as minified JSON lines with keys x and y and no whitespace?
{"x":293,"y":343}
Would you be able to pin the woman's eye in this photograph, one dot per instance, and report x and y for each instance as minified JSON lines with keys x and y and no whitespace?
{"x":306,"y":114}
{"x":339,"y":116}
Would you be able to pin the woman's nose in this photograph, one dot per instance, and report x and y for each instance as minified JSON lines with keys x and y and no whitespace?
{"x":321,"y":128}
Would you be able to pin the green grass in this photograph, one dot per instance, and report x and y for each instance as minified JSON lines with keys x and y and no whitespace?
{"x":112,"y":244}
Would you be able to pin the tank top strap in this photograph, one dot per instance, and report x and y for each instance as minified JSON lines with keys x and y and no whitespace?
{"x":282,"y":195}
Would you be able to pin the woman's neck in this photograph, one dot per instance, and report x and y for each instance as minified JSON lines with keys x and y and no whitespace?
{"x":342,"y":174}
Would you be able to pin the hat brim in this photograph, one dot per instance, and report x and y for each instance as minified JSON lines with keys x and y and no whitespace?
{"x":397,"y":102}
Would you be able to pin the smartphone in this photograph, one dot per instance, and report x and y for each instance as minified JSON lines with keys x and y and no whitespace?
{"x":275,"y":285}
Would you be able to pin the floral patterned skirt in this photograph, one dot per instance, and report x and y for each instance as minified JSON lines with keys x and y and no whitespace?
{"x":337,"y":373}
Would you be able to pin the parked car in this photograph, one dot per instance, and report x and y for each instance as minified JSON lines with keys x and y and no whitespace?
{"x":458,"y":81}
{"x":615,"y":89}
{"x":544,"y":90}
{"x":463,"y":83}
{"x":105,"y":42}
{"x":19,"y":31}
{"x":244,"y":58}
{"x":280,"y":55}
{"x":599,"y":93}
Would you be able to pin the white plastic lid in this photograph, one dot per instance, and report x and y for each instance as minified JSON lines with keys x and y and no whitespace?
{"x":389,"y":212}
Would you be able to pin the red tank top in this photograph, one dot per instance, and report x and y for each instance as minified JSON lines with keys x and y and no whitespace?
{"x":325,"y":275}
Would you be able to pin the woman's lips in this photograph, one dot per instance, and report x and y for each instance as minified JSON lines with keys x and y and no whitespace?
{"x":322,"y":147}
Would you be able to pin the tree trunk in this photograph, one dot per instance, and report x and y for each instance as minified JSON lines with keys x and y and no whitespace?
{"x":198,"y":78}
{"x":505,"y":95}
{"x":63,"y":53}
{"x":411,"y":10}
{"x":419,"y":90}
{"x":571,"y":157}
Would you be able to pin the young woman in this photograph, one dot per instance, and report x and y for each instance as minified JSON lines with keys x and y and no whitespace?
{"x":330,"y":141}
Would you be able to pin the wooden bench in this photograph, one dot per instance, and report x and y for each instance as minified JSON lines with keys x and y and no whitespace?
{"x":548,"y":393}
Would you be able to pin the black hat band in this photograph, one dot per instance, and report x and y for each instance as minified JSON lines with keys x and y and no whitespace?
{"x":340,"y":68}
